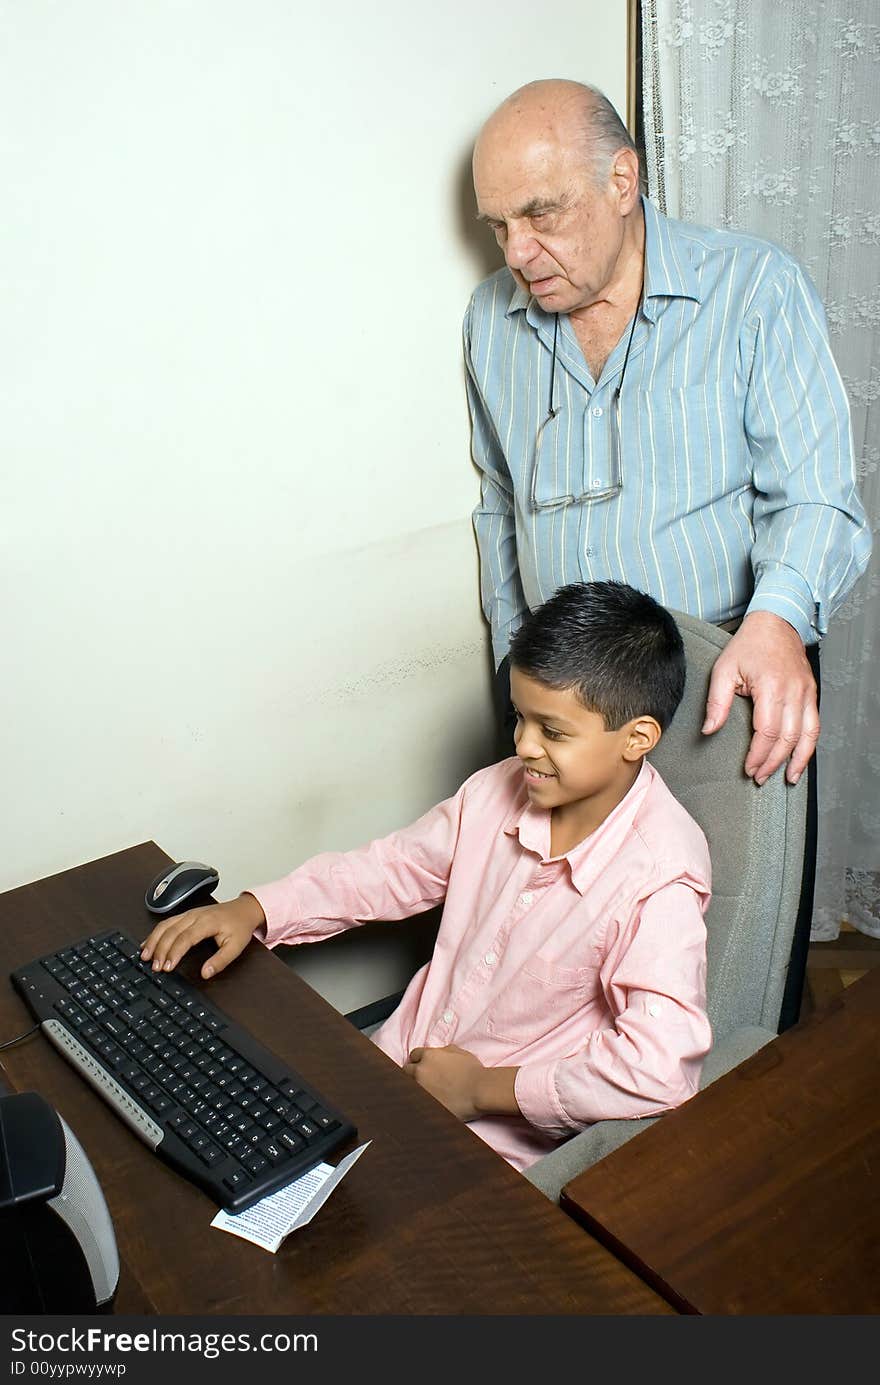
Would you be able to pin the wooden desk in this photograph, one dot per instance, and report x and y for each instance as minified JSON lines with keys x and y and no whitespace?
{"x":762,"y":1194}
{"x":429,"y":1221}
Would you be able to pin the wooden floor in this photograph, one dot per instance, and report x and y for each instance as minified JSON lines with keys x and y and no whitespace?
{"x":834,"y":965}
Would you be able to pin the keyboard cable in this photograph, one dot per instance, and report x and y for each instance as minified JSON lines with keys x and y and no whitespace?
{"x":25,"y":1035}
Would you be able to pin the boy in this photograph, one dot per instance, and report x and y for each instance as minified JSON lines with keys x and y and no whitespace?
{"x":567,"y":983}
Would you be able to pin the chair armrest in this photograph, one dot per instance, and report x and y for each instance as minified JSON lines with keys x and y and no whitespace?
{"x":732,"y":1050}
{"x":564,"y":1163}
{"x":368,"y":1016}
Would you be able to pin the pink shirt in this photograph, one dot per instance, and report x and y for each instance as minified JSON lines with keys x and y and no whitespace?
{"x":586,"y":971}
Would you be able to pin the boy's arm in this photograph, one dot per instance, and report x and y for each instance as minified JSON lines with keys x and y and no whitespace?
{"x":458,"y":1080}
{"x":390,"y":878}
{"x":649,"y":1059}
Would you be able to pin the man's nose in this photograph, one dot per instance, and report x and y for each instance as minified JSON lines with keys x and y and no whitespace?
{"x":521,"y":247}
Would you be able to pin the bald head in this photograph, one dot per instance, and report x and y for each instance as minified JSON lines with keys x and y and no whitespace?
{"x":557,"y":181}
{"x":567,"y":114}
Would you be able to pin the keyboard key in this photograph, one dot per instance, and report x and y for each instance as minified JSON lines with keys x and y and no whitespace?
{"x":238,"y":1180}
{"x":70,"y":1011}
{"x":323,"y":1119}
{"x":273,"y":1150}
{"x":256,"y":1163}
{"x":291,"y":1141}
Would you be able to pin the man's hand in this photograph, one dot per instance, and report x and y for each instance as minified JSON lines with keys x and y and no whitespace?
{"x":765,"y":660}
{"x":231,"y":925}
{"x":460,"y":1082}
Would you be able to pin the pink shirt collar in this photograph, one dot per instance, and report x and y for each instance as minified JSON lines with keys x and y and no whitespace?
{"x":588,"y":858}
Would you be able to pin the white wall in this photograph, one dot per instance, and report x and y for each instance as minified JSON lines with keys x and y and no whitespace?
{"x":240,"y":609}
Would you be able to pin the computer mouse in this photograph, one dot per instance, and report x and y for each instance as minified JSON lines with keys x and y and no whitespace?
{"x":178,"y":885}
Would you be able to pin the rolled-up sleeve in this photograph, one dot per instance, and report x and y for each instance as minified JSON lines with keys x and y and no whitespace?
{"x":649,"y":1059}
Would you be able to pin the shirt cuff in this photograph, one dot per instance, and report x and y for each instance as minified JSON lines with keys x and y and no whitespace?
{"x":274,"y":900}
{"x":784,"y":593}
{"x":536,"y":1097}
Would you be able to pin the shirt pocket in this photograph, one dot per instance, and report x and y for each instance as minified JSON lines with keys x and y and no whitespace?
{"x":541,"y":999}
{"x":699,"y":433}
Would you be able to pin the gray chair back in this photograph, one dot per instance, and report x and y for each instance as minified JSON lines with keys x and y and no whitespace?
{"x":756,"y":842}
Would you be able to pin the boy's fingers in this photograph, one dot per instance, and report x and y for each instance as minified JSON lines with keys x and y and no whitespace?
{"x":227,"y":952}
{"x":198,"y":927}
{"x":163,"y":936}
{"x":154,"y":937}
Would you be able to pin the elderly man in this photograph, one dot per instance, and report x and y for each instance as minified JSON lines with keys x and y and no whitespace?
{"x":657,"y":403}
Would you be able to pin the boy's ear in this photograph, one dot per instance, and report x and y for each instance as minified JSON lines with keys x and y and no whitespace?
{"x":643,"y":733}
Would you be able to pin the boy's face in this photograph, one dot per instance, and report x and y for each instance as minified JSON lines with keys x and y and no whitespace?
{"x":568,"y":755}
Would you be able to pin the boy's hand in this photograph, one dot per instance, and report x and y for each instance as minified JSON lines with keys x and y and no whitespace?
{"x":232,"y":926}
{"x":460,"y":1082}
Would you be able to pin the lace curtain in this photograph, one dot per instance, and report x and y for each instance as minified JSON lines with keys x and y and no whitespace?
{"x":766,"y":117}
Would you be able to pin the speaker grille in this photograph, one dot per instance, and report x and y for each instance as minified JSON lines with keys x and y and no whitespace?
{"x":81,"y":1206}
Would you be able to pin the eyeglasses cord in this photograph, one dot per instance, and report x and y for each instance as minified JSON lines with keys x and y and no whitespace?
{"x":552,"y":412}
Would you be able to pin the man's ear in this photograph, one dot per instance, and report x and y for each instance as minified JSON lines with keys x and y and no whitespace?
{"x":642,"y":734}
{"x":625,"y":176}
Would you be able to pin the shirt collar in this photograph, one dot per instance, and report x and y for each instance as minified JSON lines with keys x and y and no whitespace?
{"x":668,"y":272}
{"x":589,"y":857}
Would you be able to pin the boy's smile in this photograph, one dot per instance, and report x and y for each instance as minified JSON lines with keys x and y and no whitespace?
{"x":572,"y":764}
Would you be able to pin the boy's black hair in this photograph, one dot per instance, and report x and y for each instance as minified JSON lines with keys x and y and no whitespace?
{"x":618,"y":650}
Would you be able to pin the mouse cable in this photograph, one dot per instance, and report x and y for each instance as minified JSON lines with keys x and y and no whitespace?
{"x":10,"y":1042}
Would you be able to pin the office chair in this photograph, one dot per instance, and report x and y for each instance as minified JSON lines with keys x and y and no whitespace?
{"x":756,"y":842}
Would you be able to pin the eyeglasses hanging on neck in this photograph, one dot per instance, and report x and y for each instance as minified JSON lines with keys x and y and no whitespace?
{"x":615,"y":481}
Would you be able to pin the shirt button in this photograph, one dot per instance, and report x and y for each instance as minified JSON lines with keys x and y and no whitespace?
{"x":526,"y":898}
{"x":448,"y":1017}
{"x":597,"y":412}
{"x":490,"y":959}
{"x":596,"y":485}
{"x":653,"y":1011}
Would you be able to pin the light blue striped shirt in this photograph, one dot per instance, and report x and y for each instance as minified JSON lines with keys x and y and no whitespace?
{"x":738,"y":484}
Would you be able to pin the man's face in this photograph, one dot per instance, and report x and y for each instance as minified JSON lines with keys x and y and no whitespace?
{"x":560,"y":231}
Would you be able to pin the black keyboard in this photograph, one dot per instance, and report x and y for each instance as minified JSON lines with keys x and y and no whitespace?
{"x":196,"y":1087}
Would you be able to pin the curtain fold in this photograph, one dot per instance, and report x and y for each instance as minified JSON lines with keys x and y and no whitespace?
{"x":766,"y":118}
